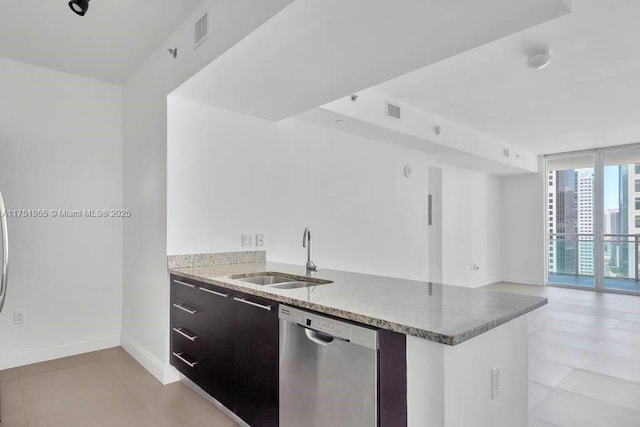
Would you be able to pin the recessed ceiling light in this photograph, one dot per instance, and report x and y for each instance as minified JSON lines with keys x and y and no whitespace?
{"x":539,"y":59}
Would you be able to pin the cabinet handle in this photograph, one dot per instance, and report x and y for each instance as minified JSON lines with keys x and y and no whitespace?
{"x":255,"y":304}
{"x":183,"y":308}
{"x":220,"y":294}
{"x":188,"y":285}
{"x":179,"y":356}
{"x":184,"y":334}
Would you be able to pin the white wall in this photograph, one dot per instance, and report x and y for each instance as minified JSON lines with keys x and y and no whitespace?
{"x":230,"y":173}
{"x":523,"y":229}
{"x":471,"y":227}
{"x":145,"y":314}
{"x":451,"y":386}
{"x":145,"y":311}
{"x":237,"y":174}
{"x":467,"y":386}
{"x":60,"y":148}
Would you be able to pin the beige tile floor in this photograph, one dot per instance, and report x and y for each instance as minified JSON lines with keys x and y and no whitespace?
{"x":584,"y":358}
{"x":584,"y":371}
{"x":104,"y":388}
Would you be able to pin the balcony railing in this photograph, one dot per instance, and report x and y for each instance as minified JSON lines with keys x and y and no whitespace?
{"x":573,"y":254}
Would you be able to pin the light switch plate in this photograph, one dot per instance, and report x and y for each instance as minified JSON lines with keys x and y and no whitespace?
{"x":247,"y":240}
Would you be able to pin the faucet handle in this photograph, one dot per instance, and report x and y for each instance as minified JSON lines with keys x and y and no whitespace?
{"x":311,"y":266}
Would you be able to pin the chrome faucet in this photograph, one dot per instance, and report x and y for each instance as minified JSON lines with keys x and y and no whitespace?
{"x":306,"y":243}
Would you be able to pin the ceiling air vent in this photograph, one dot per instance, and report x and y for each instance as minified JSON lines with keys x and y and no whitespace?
{"x":393,"y":110}
{"x":505,"y":152}
{"x":201,"y":30}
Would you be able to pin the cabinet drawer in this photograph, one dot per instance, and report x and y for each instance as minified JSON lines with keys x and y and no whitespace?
{"x":207,"y":291}
{"x":184,"y":360}
{"x":186,"y":335}
{"x":185,"y":289}
{"x":257,"y":303}
{"x":186,"y":314}
{"x":195,"y":350}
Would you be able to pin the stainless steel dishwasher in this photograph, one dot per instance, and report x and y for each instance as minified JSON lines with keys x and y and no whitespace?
{"x":328,"y":371}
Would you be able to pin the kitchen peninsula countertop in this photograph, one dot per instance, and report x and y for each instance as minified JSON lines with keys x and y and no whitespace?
{"x":442,"y":313}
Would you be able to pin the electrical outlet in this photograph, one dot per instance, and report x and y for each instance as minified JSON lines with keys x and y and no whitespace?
{"x":18,"y":318}
{"x":495,"y":382}
{"x":259,"y":240}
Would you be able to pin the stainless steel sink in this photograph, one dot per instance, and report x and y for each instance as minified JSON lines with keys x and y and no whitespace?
{"x":295,"y":285}
{"x":266,"y":280}
{"x":279,"y":280}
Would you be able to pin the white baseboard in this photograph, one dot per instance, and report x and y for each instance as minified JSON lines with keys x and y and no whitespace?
{"x":43,"y":354}
{"x":164,"y":373}
{"x":523,"y":280}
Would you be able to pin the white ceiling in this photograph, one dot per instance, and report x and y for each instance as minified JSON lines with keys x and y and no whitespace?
{"x":315,"y":51}
{"x":589,"y":96}
{"x":108,"y":43}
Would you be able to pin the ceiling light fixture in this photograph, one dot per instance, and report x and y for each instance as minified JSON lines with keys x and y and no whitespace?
{"x":79,"y":6}
{"x":539,"y":59}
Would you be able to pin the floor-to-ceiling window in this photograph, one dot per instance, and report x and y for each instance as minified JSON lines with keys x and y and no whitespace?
{"x":570,"y":220}
{"x":593,"y":219}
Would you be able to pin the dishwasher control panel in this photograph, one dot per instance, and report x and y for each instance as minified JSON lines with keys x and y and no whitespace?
{"x":317,"y":323}
{"x":330,"y":328}
{"x":335,"y":328}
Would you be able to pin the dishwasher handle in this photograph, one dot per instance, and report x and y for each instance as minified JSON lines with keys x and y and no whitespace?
{"x":318,"y":337}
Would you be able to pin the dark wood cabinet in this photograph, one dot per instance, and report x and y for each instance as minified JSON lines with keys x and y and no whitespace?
{"x":218,"y":357}
{"x":256,"y":361}
{"x":227,"y":343}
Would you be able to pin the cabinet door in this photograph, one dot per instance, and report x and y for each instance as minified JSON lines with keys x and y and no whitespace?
{"x":218,"y":323}
{"x":256,"y":361}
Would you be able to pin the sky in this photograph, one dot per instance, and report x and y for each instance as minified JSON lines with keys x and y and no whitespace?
{"x":611,"y":193}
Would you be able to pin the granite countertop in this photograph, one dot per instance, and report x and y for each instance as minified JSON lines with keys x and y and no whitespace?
{"x":441,"y":313}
